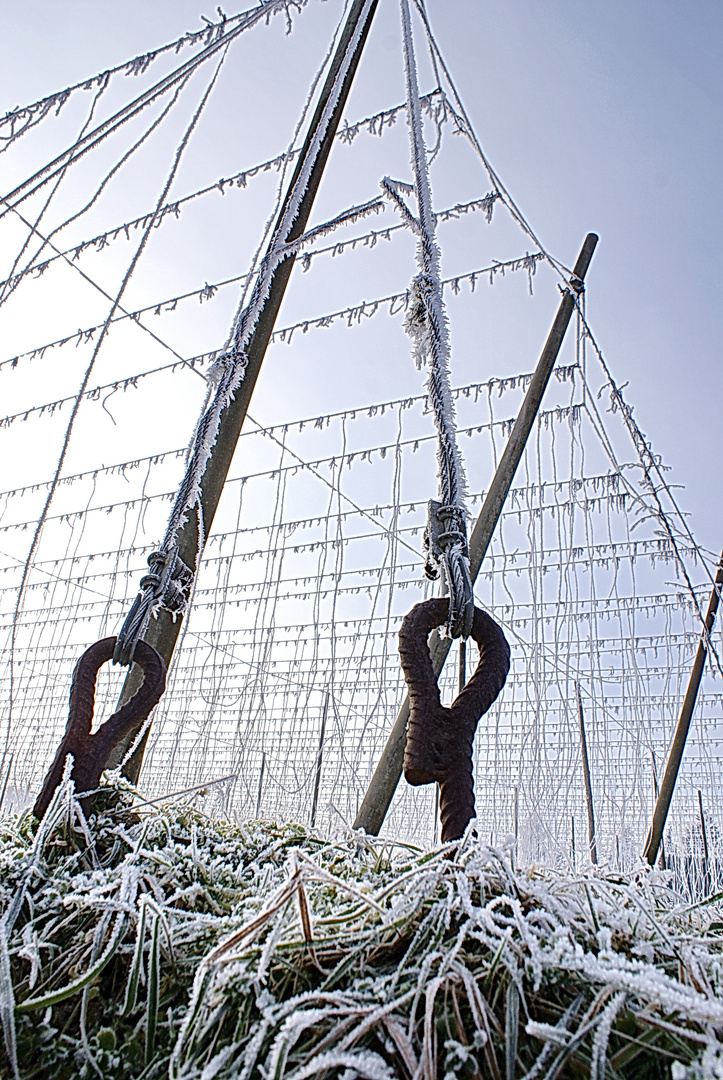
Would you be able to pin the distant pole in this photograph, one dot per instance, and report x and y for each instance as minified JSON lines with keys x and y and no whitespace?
{"x":384,"y":782}
{"x":655,"y":792}
{"x":163,"y":631}
{"x":261,"y":784}
{"x":586,"y":778}
{"x":706,"y":873}
{"x":516,"y":822}
{"x":319,"y":759}
{"x":5,"y":781}
{"x":702,"y":825}
{"x":664,"y":798}
{"x":462,"y":681}
{"x":572,"y":823}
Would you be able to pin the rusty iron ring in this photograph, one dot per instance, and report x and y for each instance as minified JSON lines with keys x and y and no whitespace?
{"x":439,"y":739}
{"x":91,"y":752}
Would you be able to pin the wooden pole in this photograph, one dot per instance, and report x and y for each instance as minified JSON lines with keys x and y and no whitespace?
{"x":655,"y":792}
{"x":384,"y":782}
{"x":5,"y":782}
{"x":163,"y":631}
{"x":462,"y":680}
{"x":319,"y":759}
{"x":702,"y":826}
{"x":586,"y":777}
{"x":516,"y":822}
{"x":665,"y":795}
{"x":706,"y":865}
{"x":261,"y":783}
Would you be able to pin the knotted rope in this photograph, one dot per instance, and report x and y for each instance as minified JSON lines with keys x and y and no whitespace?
{"x":426,"y":323}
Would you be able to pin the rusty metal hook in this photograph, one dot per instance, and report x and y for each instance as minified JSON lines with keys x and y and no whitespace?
{"x":439,"y":739}
{"x":91,"y":752}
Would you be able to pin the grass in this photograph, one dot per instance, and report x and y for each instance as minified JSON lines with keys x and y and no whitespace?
{"x":167,"y":944}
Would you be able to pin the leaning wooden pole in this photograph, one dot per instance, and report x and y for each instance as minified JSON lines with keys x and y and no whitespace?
{"x":667,"y":787}
{"x":163,"y":631}
{"x":384,"y":782}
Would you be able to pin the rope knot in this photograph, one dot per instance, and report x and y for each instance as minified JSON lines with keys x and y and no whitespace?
{"x":418,"y":322}
{"x":445,"y":546}
{"x":167,"y":586}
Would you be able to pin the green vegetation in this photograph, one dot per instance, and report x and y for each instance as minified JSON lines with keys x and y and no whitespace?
{"x":168,"y":944}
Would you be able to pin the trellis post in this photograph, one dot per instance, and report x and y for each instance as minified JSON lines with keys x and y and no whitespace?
{"x":667,"y":787}
{"x":586,"y":777}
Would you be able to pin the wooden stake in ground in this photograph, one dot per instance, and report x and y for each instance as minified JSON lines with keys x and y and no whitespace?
{"x":384,"y":782}
{"x":665,"y":795}
{"x":586,"y":777}
{"x":319,"y":760}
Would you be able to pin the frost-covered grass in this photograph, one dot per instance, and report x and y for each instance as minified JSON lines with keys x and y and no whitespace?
{"x":174,"y":945}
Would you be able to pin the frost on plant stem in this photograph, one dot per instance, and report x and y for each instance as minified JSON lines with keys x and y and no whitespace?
{"x":221,"y":950}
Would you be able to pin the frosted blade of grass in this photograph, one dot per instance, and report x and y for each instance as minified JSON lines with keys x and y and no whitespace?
{"x":154,"y":975}
{"x":54,"y":997}
{"x":512,"y":1028}
{"x":137,"y":965}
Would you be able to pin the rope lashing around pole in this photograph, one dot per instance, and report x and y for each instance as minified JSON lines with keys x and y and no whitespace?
{"x":91,"y":752}
{"x":439,"y":740}
{"x":166,"y":586}
{"x":426,"y":324}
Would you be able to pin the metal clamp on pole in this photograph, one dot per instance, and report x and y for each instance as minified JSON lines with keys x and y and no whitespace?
{"x":167,"y":586}
{"x":445,"y":545}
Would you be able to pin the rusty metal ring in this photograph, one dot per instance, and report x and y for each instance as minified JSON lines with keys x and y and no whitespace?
{"x":91,"y":752}
{"x":439,"y":739}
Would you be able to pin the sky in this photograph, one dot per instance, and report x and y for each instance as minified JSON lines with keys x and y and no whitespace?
{"x":597,"y":117}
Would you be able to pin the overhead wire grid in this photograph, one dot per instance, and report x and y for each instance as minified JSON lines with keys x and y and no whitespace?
{"x":287,"y":678}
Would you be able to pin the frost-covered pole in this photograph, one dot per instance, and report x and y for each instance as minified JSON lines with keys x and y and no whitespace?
{"x":665,"y":795}
{"x":383,"y":784}
{"x":220,"y":426}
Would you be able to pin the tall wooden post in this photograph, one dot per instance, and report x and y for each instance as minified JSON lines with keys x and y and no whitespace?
{"x":665,"y":795}
{"x":384,"y":782}
{"x":586,"y":777}
{"x":260,"y":788}
{"x":163,"y":631}
{"x":462,"y":673}
{"x":703,"y":832}
{"x":319,"y":760}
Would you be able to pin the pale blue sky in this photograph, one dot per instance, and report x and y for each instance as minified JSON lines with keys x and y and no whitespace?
{"x":598,"y":116}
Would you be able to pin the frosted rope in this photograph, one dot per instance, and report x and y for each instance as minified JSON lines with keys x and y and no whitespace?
{"x":66,"y":442}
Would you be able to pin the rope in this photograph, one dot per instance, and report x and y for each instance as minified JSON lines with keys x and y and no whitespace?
{"x":7,"y":286}
{"x":434,"y":106}
{"x":396,"y":302}
{"x":95,"y":137}
{"x":229,"y":373}
{"x":14,"y":279}
{"x":16,"y":123}
{"x":426,"y":324}
{"x":69,"y":430}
